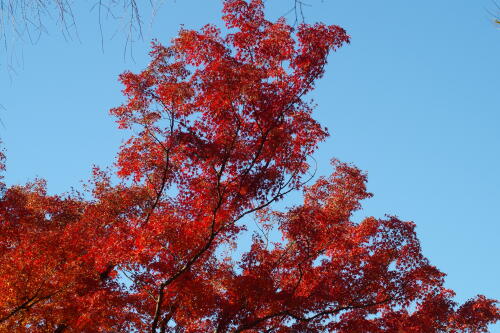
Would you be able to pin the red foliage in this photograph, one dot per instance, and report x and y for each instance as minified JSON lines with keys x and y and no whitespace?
{"x":223,"y":131}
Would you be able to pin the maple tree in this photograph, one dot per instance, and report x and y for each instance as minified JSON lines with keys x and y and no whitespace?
{"x":222,"y":130}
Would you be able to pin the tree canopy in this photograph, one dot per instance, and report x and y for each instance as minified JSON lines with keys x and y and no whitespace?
{"x":223,"y":129}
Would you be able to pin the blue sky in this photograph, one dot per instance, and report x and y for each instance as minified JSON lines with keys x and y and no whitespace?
{"x":414,"y":101}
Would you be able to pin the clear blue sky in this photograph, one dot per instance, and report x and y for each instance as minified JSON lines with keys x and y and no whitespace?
{"x":414,"y":100}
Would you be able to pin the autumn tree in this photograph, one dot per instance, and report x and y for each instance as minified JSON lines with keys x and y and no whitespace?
{"x":223,"y":129}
